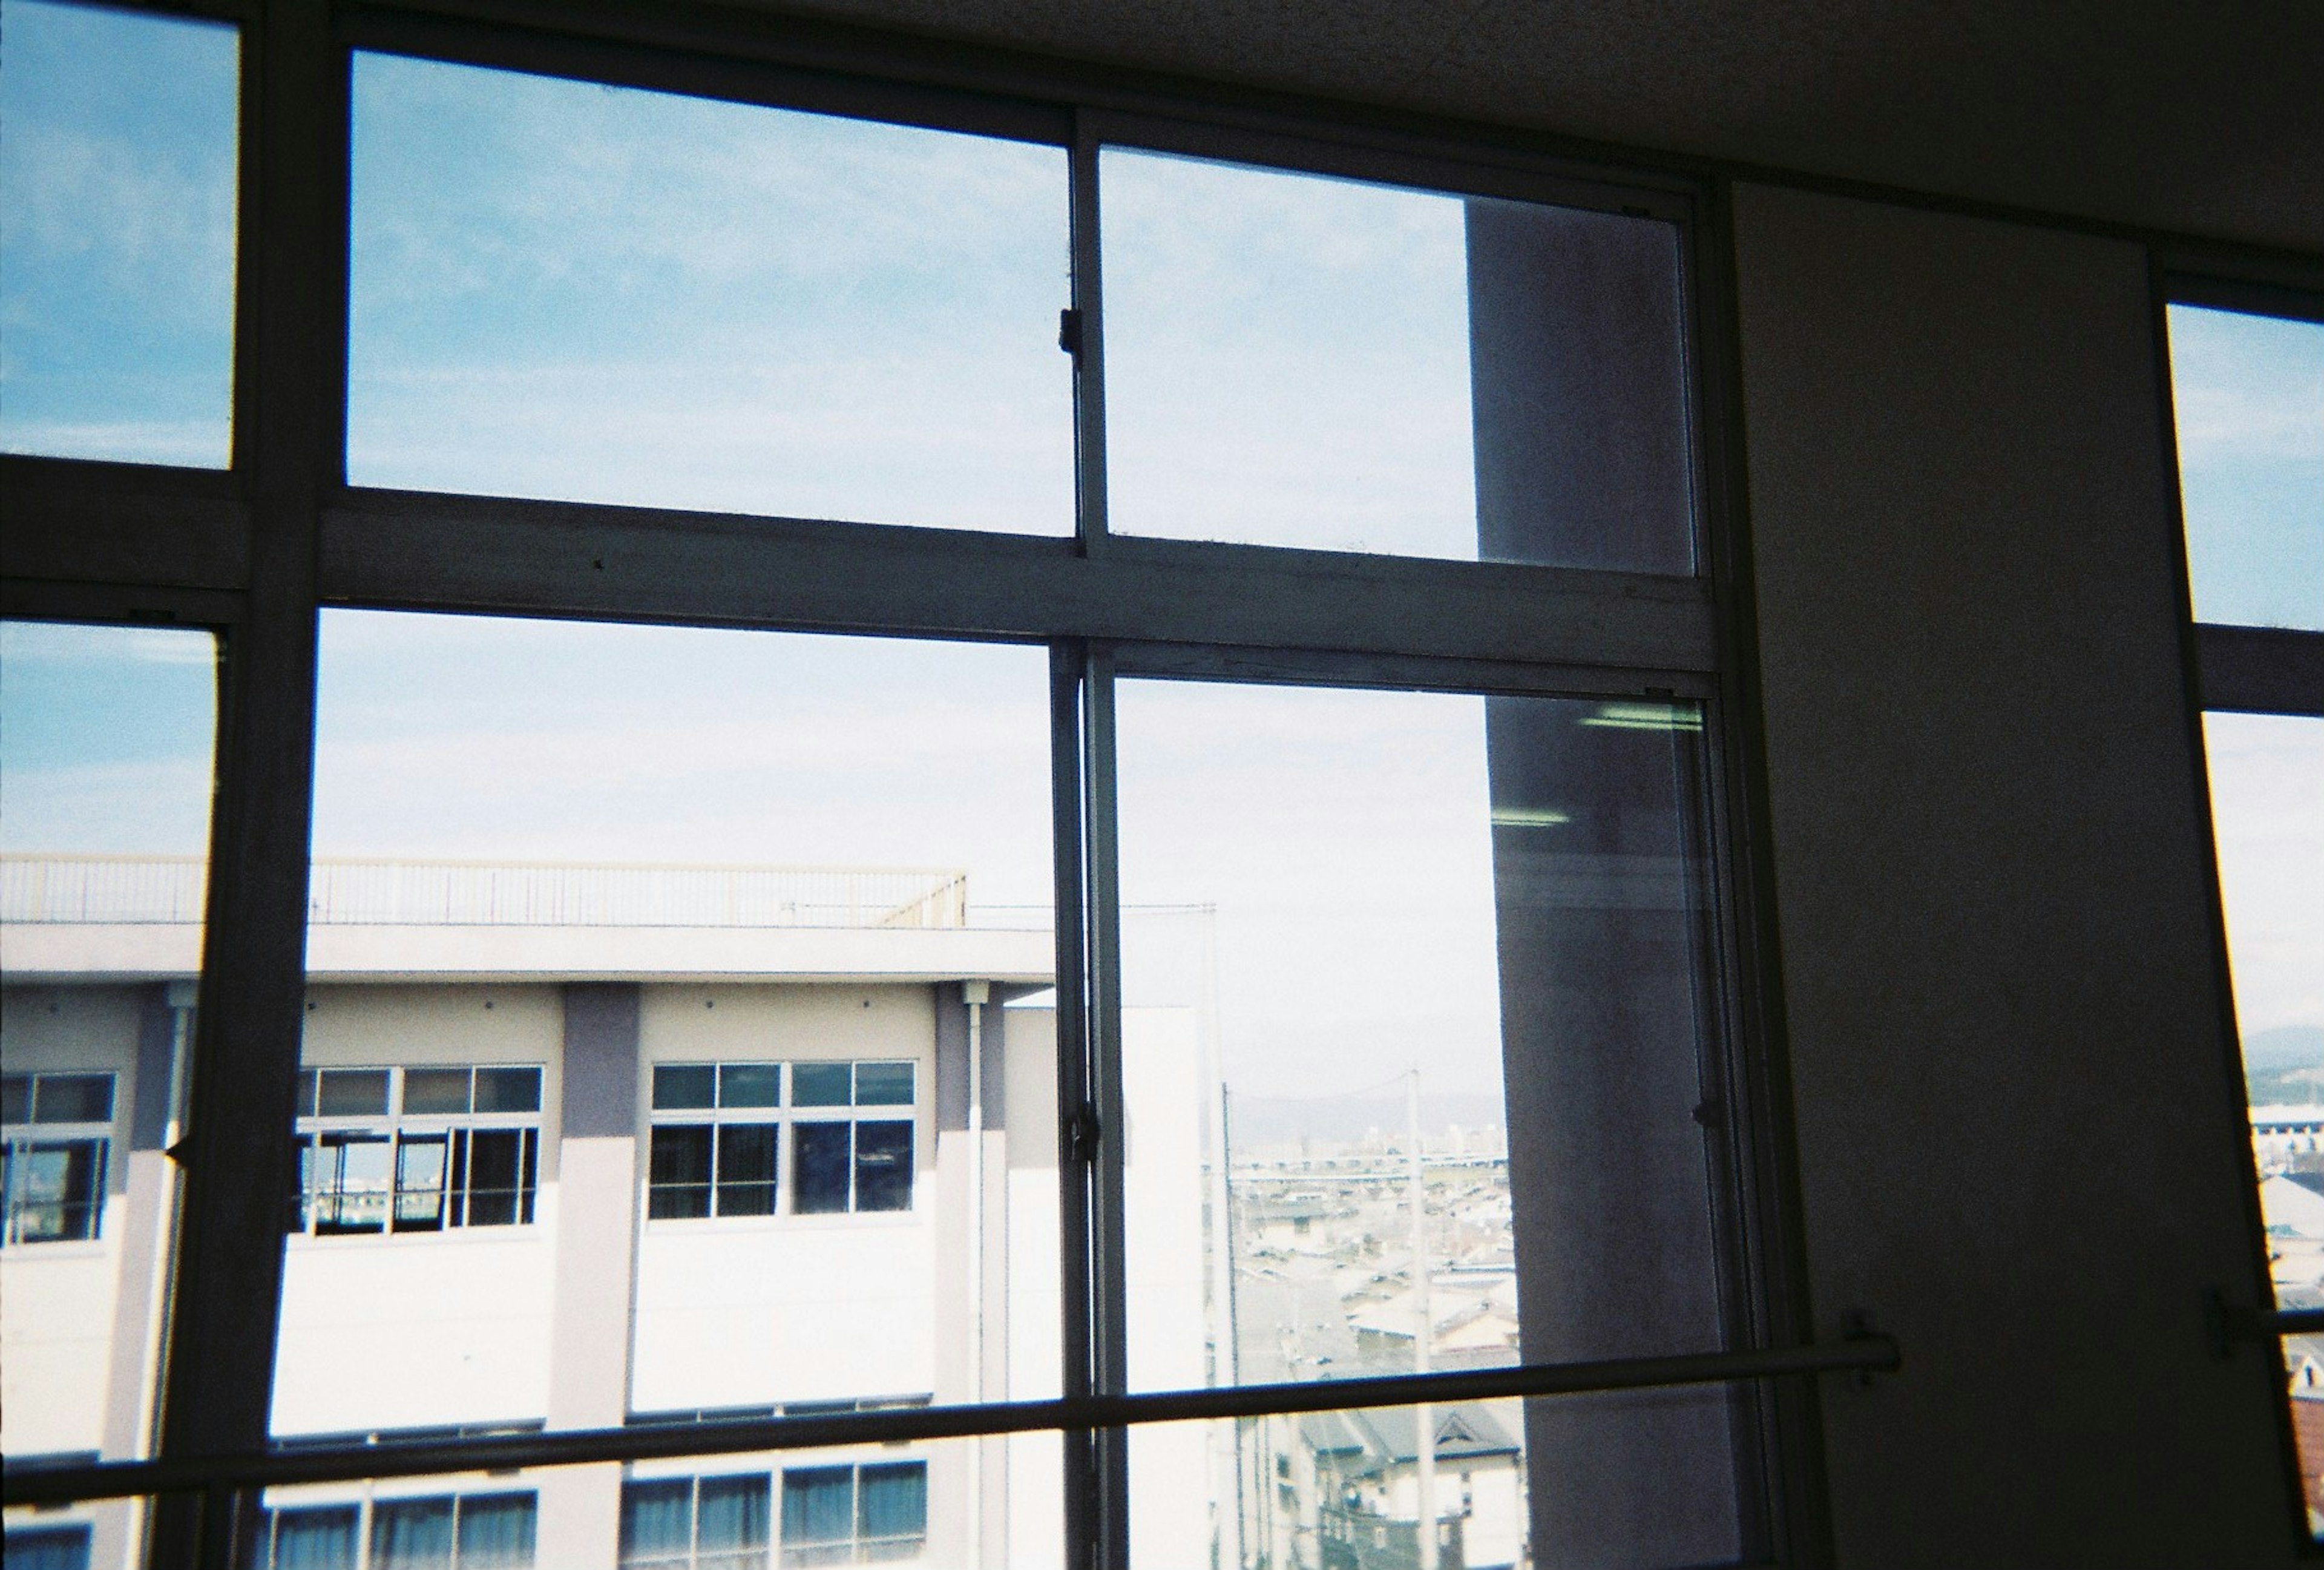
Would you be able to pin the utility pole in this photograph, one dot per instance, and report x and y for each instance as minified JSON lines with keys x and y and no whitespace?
{"x":1424,"y":1418}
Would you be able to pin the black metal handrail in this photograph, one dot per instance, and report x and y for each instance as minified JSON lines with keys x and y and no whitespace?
{"x":1867,"y":1354}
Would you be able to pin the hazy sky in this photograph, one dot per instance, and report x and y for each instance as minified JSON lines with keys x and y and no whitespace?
{"x":608,"y":295}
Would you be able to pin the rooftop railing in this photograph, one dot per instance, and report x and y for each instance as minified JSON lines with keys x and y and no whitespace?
{"x":93,"y":890}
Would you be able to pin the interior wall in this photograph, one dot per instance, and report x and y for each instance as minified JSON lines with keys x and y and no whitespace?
{"x":2018,"y":1127}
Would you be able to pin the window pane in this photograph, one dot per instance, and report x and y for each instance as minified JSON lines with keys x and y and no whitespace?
{"x":892,"y":1510}
{"x":883,"y":1085}
{"x":49,"y":1547}
{"x":117,"y":263}
{"x":413,"y":1534}
{"x":2268,"y":776}
{"x":497,"y":1531}
{"x":629,"y":875}
{"x":883,"y":1165}
{"x":2248,"y":394}
{"x":818,"y":1506}
{"x":657,"y":1518}
{"x":607,"y":295}
{"x":105,"y":741}
{"x":819,"y":1084}
{"x":685,"y":1086}
{"x":421,"y":1169}
{"x":436,"y":1090}
{"x":819,"y":1164}
{"x":1295,"y":360}
{"x":351,"y":1183}
{"x":352,"y":1093}
{"x":733,"y":1513}
{"x":746,"y":1170}
{"x":1366,"y":934}
{"x":317,"y":1538}
{"x":751,"y":1084}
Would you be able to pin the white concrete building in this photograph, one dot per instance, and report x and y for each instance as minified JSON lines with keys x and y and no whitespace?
{"x":588,"y":1146}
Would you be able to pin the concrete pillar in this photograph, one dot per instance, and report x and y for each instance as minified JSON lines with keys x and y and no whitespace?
{"x":148,"y":1226}
{"x":590,"y":1332}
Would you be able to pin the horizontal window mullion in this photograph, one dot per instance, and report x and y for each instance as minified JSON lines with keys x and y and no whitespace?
{"x":428,"y":551}
{"x":1863,"y":1354}
{"x":83,"y":522}
{"x":2260,"y":669}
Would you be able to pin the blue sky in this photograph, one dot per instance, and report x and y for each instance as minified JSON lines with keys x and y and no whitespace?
{"x":602,"y":295}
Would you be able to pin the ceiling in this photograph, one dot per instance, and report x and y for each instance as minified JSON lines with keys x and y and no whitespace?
{"x":2203,"y":119}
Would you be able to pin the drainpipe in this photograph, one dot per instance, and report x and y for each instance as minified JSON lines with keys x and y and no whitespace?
{"x":976,"y":994}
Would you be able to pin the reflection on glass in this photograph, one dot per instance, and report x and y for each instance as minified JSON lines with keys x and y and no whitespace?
{"x":116,"y":260}
{"x":106,"y":737}
{"x":2267,"y":777}
{"x":2248,"y":394}
{"x":1293,"y":360}
{"x":651,"y":974}
{"x":1365,"y":935}
{"x":600,"y":294}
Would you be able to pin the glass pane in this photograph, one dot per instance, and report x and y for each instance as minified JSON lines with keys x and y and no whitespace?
{"x":413,"y":1534}
{"x":883,"y":1085}
{"x":819,"y":1083}
{"x":1364,"y":935}
{"x":106,"y":737}
{"x":684,"y":1085}
{"x":734,"y":1512}
{"x":1296,"y":360}
{"x":497,"y":1531}
{"x":421,"y":1165}
{"x":117,"y":263}
{"x":750,"y":1084}
{"x":358,"y":1092}
{"x":436,"y":1090}
{"x":625,"y":878}
{"x":600,"y":294}
{"x":2267,"y":777}
{"x":2248,"y":394}
{"x":819,"y":1168}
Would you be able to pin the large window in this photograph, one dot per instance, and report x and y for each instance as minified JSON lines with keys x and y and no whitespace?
{"x":719,"y":1130}
{"x":2248,"y":392}
{"x":417,"y":1150}
{"x":1116,"y":737}
{"x":58,"y":1128}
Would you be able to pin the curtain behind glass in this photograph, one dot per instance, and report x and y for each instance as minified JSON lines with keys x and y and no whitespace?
{"x":495,"y":1532}
{"x":316,"y":1540}
{"x":62,"y":1548}
{"x":411,"y":1534}
{"x":657,"y":1523}
{"x":893,"y":1501}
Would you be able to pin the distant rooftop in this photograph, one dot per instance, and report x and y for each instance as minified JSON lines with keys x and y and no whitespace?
{"x":120,"y":890}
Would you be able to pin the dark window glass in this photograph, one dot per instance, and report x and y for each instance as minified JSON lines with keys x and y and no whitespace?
{"x":819,"y":1163}
{"x":818,"y":1508}
{"x":500,"y":1177}
{"x":892,"y":1510}
{"x":657,"y":1521}
{"x":883,"y":1085}
{"x":733,"y":1515}
{"x":15,"y":1099}
{"x":56,"y":1190}
{"x":419,"y":1173}
{"x":49,"y":1548}
{"x":310,"y":1539}
{"x":680,"y":1184}
{"x":352,"y":1093}
{"x":751,"y":1084}
{"x":883,"y":1165}
{"x":684,"y":1085}
{"x":496,"y":1531}
{"x":508,"y":1090}
{"x":352,"y":1176}
{"x":410,"y":1534}
{"x":72,"y":1098}
{"x":435,"y":1090}
{"x":746,"y":1170}
{"x":819,"y":1083}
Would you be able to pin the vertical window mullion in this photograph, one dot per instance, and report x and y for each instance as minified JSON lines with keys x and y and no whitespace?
{"x":1067,"y":805}
{"x":1082,"y":334}
{"x":1109,"y":1287}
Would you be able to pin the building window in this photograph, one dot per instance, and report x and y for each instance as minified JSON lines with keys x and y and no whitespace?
{"x":719,"y":1127}
{"x":856,"y":1515}
{"x":695,"y":1523}
{"x":57,"y":1132}
{"x":49,"y":1548}
{"x":417,"y":1148}
{"x":485,"y":1531}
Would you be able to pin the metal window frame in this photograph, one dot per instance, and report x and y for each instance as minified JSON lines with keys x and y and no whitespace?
{"x":2250,"y":670}
{"x":254,"y":552}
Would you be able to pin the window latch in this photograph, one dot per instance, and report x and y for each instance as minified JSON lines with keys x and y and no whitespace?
{"x":1069,"y":332}
{"x":1081,"y":1135}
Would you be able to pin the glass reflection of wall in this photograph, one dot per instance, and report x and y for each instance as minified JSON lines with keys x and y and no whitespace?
{"x":1325,"y":891}
{"x":106,"y":738}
